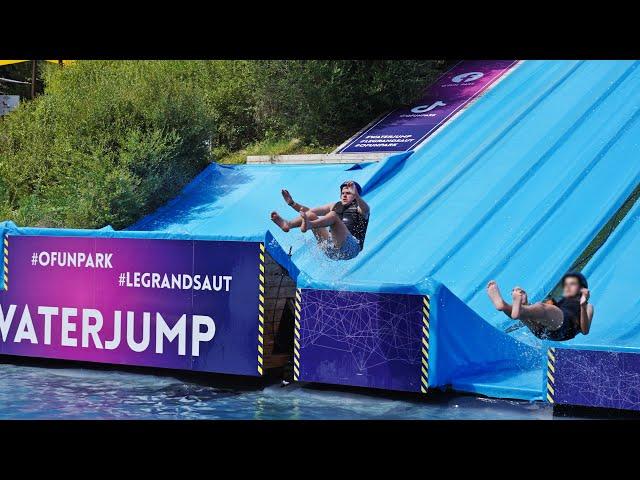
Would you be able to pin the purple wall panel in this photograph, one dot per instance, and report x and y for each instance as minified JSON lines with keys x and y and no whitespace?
{"x":361,"y":338}
{"x":597,"y":378}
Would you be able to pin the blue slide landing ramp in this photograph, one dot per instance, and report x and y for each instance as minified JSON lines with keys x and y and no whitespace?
{"x":511,"y":190}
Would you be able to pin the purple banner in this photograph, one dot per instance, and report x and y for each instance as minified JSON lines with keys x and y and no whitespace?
{"x":405,"y":128}
{"x":596,"y":378}
{"x":362,"y":339}
{"x":164,"y":303}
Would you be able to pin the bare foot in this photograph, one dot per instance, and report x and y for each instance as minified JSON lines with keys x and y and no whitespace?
{"x":303,"y":227}
{"x":517,"y":297}
{"x":496,"y":297}
{"x":281,"y":222}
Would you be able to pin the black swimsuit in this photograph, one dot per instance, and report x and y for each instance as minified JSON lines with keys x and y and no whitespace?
{"x":570,"y":322}
{"x":355,"y":222}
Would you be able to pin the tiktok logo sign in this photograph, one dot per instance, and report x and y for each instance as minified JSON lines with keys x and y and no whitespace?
{"x":467,"y":77}
{"x":428,"y":108}
{"x":406,"y":127}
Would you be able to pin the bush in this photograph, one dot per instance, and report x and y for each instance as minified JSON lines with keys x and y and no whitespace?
{"x":327,"y":101}
{"x":106,"y":143}
{"x":110,"y":141}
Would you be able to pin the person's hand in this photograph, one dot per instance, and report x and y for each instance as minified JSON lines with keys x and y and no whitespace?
{"x":287,"y":197}
{"x":584,"y":299}
{"x":525,"y":297}
{"x":351,"y":186}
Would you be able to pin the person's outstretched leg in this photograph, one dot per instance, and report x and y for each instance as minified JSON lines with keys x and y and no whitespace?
{"x":496,"y":297}
{"x":281,"y":222}
{"x":533,"y":316}
{"x":287,"y":225}
{"x":339,"y":231}
{"x":322,"y":234}
{"x":548,"y":316}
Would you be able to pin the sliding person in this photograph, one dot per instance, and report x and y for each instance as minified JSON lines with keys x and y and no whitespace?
{"x":551,"y":320}
{"x":339,"y":227}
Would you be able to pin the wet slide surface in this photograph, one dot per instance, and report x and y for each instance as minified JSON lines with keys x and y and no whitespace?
{"x":512,"y":190}
{"x":613,"y":281}
{"x":602,"y":369}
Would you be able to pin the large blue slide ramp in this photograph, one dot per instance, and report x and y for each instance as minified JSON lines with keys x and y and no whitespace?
{"x":513,"y":189}
{"x":613,"y":280}
{"x":602,"y":369}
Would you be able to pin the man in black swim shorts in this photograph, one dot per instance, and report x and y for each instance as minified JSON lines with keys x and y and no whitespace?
{"x":339,"y":227}
{"x":551,"y":320}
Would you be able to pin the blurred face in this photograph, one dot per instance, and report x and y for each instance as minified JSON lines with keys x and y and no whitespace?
{"x":571,"y":287}
{"x":346,"y":197}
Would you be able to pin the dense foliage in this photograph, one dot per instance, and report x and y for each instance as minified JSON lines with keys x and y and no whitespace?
{"x":109,"y":141}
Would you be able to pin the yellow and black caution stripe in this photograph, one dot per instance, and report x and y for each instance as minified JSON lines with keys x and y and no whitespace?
{"x":296,"y":338}
{"x":261,"y":312}
{"x":551,"y":371}
{"x":424,"y":367}
{"x":6,"y":262}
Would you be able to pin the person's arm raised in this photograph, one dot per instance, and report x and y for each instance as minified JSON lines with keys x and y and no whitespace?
{"x":363,"y":207}
{"x":586,"y":311}
{"x":291,"y":202}
{"x":298,"y":207}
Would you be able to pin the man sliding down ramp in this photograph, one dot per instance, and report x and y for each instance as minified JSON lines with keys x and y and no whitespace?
{"x":347,"y":222}
{"x":551,"y":320}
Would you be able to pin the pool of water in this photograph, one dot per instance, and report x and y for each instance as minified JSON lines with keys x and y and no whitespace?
{"x":41,"y":392}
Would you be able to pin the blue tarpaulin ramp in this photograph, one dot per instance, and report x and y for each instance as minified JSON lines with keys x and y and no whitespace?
{"x":513,"y":189}
{"x":613,"y":281}
{"x":602,"y":369}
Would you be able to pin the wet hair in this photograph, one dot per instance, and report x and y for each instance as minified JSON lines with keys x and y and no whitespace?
{"x":358,"y":187}
{"x":582,"y":280}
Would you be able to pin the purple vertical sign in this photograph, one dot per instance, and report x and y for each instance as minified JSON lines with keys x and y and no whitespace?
{"x":405,"y":128}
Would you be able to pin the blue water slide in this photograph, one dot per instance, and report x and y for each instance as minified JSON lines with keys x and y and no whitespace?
{"x":614,"y":282}
{"x":513,"y":189}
